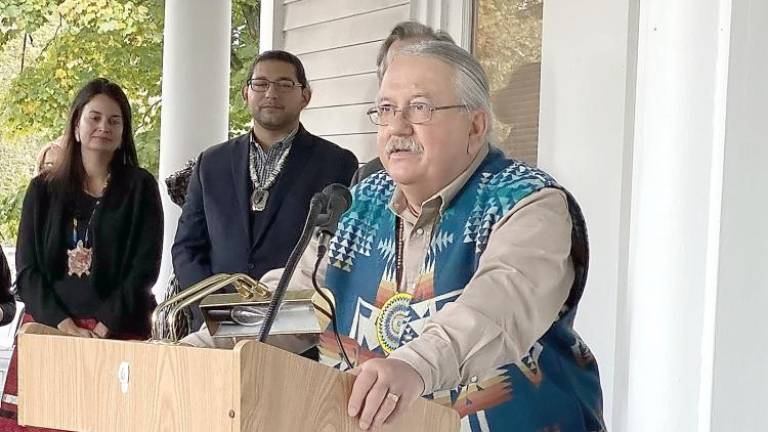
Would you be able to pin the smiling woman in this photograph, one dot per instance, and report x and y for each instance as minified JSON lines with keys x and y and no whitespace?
{"x":90,"y":236}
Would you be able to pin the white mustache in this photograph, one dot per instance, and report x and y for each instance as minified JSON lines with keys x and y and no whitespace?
{"x":403,"y":144}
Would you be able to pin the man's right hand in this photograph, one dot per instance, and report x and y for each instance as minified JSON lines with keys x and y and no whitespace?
{"x":69,"y":327}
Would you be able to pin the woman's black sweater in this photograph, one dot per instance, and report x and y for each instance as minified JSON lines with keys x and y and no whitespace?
{"x":127,"y":240}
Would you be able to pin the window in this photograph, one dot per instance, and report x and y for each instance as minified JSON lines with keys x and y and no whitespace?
{"x":507,"y":42}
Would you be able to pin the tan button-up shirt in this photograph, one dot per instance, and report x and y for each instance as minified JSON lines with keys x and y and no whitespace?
{"x":522,"y":281}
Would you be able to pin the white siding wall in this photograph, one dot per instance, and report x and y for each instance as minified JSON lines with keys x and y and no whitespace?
{"x":585,"y":141}
{"x":740,"y":373}
{"x":338,"y":40}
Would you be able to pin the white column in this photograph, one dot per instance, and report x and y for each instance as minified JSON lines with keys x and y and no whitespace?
{"x":740,"y":380}
{"x":675,"y":216}
{"x":271,"y":23}
{"x":195,"y":110}
{"x":452,"y":16}
{"x":585,"y":141}
{"x":653,"y":113}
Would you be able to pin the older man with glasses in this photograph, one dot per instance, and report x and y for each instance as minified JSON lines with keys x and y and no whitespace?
{"x":248,"y":197}
{"x":473,"y":294}
{"x":456,"y":272}
{"x":403,"y":34}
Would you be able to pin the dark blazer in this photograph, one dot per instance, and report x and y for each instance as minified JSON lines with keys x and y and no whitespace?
{"x":217,"y":231}
{"x":127,"y":246}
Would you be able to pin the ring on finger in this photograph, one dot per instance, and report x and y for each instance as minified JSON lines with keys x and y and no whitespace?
{"x":393,"y":397}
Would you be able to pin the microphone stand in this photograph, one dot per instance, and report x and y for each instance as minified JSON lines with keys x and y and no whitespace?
{"x":316,"y":206}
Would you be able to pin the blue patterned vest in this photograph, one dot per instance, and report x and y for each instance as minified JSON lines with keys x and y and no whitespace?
{"x":554,"y":388}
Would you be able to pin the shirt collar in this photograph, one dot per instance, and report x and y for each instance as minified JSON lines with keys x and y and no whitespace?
{"x":440,"y":201}
{"x":282,"y":143}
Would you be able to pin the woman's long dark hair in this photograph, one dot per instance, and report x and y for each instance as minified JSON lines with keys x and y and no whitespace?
{"x":68,"y":174}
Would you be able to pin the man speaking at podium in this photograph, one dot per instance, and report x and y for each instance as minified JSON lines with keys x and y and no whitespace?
{"x":456,"y":272}
{"x":248,"y":197}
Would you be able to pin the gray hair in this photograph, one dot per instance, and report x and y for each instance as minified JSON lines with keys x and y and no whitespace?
{"x":472,"y":87}
{"x":407,"y":30}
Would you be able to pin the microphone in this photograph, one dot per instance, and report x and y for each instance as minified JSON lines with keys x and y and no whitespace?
{"x":325,"y":209}
{"x":339,"y":200}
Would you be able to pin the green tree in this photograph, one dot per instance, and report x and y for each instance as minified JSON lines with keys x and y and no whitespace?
{"x":92,"y":38}
{"x":245,"y":46}
{"x":50,"y":48}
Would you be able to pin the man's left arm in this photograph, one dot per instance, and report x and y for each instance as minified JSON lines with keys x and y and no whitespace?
{"x":523,"y":279}
{"x":522,"y":282}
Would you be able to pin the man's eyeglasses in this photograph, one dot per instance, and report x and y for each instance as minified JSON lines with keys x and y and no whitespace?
{"x":415,"y":113}
{"x":282,"y":86}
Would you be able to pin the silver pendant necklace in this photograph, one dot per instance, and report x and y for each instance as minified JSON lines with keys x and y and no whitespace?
{"x":259,"y":198}
{"x":260,"y":194}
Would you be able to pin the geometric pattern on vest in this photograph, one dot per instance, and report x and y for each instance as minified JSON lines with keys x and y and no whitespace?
{"x":555,"y":387}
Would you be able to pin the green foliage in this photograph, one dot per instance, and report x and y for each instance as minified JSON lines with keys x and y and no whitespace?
{"x":118,"y":40}
{"x":64,"y":44}
{"x":17,"y":161}
{"x":16,"y":168}
{"x":20,"y":17}
{"x":10,"y":213}
{"x":245,"y":47}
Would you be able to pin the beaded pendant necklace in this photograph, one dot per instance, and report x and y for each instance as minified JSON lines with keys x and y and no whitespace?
{"x":80,"y":257}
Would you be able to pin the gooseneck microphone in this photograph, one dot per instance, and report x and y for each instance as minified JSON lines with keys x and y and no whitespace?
{"x":339,"y":201}
{"x":325,"y":210}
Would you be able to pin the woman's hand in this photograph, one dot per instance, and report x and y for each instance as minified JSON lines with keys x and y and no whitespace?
{"x":69,"y":327}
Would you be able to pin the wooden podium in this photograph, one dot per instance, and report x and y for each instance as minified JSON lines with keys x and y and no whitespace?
{"x":97,"y":385}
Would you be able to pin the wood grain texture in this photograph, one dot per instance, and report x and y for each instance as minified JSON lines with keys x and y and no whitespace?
{"x":319,"y":399}
{"x":72,"y":383}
